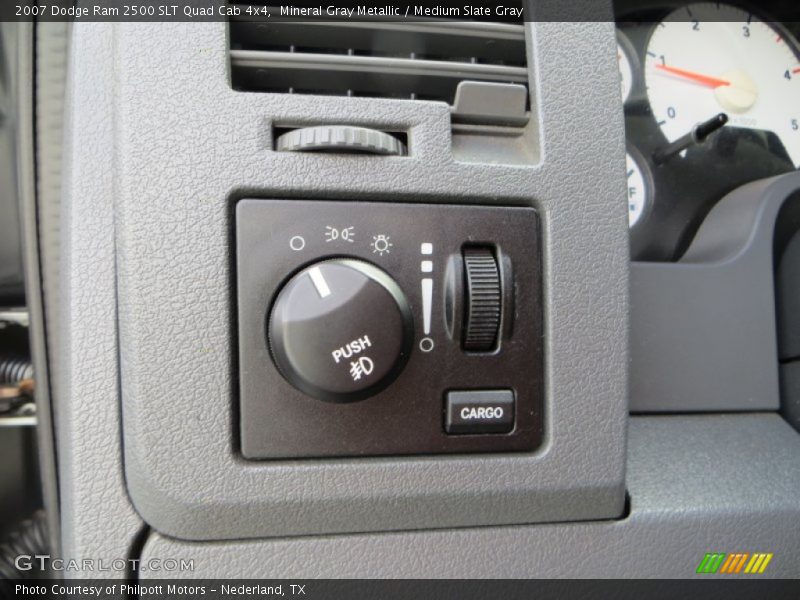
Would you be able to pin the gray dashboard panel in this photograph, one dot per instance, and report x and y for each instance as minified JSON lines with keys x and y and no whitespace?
{"x":98,"y":520}
{"x":703,"y":335}
{"x":186,"y":146}
{"x":712,"y":483}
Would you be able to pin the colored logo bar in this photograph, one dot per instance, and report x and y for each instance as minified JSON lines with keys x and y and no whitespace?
{"x":734,"y":563}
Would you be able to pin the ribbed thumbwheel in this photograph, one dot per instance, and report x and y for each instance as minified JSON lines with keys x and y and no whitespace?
{"x":483,"y":300}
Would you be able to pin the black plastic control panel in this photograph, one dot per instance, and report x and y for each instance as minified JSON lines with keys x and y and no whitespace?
{"x":371,"y":329}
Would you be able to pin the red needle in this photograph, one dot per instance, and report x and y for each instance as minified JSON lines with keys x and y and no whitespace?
{"x":696,"y":77}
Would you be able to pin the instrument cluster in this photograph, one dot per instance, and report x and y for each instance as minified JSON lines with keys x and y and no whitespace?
{"x":711,"y":95}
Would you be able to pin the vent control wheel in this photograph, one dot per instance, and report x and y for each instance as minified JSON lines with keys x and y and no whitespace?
{"x":340,"y":138}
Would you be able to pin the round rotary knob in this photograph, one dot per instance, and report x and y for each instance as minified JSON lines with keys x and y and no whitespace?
{"x":340,"y":138}
{"x":482,"y":300}
{"x":340,"y":330}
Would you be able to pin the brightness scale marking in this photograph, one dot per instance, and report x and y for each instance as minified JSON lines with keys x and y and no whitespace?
{"x":427,"y":302}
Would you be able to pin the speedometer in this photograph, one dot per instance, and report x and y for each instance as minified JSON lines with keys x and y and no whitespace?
{"x":707,"y":58}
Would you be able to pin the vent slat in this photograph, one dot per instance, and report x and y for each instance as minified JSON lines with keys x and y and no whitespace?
{"x":489,"y":42}
{"x":374,"y":64}
{"x":409,"y":59}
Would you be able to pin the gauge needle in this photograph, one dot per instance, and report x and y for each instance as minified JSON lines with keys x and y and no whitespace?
{"x":697,"y":135}
{"x":696,"y":77}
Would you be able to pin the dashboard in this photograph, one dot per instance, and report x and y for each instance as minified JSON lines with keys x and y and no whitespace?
{"x":345,"y":298}
{"x":711,"y":95}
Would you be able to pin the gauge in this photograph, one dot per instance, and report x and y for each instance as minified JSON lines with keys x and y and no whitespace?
{"x":708,"y":58}
{"x":625,"y":72}
{"x":625,"y":62}
{"x":638,"y":189}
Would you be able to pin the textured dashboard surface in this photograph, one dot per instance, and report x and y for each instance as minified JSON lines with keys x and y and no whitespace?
{"x":698,"y":484}
{"x":186,"y":145}
{"x":98,"y":520}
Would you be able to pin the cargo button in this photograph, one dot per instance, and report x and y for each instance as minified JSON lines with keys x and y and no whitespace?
{"x":479,"y":411}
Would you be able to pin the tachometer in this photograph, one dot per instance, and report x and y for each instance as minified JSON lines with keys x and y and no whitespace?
{"x":708,"y":58}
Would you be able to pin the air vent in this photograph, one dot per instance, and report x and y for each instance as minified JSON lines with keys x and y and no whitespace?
{"x":404,"y":59}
